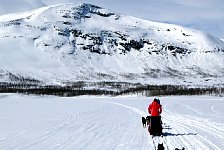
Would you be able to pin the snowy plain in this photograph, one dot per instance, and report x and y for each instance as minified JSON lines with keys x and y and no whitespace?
{"x":111,"y":123}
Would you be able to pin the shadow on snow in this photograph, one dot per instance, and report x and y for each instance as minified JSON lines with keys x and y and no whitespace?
{"x":178,"y":134}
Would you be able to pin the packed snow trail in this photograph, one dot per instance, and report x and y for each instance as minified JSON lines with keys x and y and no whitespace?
{"x":112,"y":123}
{"x":179,"y":129}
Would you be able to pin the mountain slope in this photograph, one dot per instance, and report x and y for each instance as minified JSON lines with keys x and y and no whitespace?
{"x":72,"y":42}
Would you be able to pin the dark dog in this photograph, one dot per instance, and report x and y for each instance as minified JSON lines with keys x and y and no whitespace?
{"x":160,"y":147}
{"x":148,"y":120}
{"x":143,"y":122}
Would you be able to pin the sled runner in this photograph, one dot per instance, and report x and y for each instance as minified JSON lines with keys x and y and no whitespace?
{"x":155,"y":126}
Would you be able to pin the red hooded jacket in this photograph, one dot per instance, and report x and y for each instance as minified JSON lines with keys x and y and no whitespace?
{"x":155,"y":109}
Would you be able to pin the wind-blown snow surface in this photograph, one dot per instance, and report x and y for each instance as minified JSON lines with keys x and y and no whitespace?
{"x":71,"y":42}
{"x":95,"y":123}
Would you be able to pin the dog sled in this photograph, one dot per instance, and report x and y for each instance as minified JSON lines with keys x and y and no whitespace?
{"x":155,"y":125}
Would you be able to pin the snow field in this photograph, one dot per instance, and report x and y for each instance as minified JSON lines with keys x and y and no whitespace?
{"x":53,"y":123}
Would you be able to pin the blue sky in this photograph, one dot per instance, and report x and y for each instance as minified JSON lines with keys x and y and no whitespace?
{"x":205,"y":15}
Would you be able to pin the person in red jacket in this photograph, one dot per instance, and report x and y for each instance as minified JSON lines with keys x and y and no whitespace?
{"x":155,"y":109}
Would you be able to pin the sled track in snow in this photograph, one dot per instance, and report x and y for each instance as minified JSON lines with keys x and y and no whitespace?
{"x":155,"y":140}
{"x":198,"y":130}
{"x":182,"y":131}
{"x":117,"y":125}
{"x":193,"y":126}
{"x":79,"y":131}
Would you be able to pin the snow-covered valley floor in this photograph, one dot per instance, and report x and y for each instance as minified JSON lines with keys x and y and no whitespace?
{"x":108,"y":123}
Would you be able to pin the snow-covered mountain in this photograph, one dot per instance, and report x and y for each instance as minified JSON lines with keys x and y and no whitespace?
{"x":73,"y":42}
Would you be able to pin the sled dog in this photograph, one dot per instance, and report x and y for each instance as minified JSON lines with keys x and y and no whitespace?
{"x":143,"y":122}
{"x":148,"y":120}
{"x":160,"y":147}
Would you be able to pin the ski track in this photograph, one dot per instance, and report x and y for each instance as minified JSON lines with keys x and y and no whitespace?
{"x":80,"y":131}
{"x":155,"y":140}
{"x":89,"y":133}
{"x":196,"y":125}
{"x":184,"y":124}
